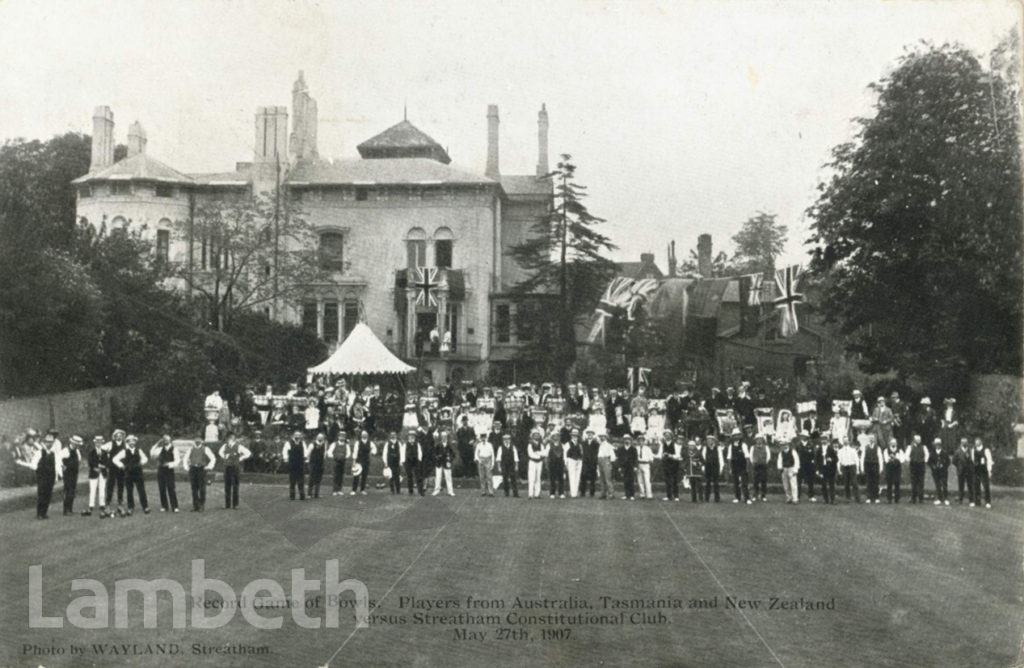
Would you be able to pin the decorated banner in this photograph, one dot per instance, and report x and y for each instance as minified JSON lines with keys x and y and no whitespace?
{"x":727,"y":422}
{"x":785,"y":280}
{"x":765,"y":422}
{"x":840,"y":423}
{"x":805,"y":407}
{"x":785,"y":426}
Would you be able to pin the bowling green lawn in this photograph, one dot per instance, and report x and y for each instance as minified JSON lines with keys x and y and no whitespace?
{"x":463,"y":581}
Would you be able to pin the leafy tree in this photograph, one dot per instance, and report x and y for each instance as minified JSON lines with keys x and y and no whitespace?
{"x":721,"y":265}
{"x":565,"y":256}
{"x":758,"y":243}
{"x":256,"y":254}
{"x":917,"y":232}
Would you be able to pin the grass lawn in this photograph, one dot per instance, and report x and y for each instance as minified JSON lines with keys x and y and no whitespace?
{"x":912,"y":585}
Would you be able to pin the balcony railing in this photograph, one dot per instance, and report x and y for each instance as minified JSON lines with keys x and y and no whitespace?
{"x":460,"y":351}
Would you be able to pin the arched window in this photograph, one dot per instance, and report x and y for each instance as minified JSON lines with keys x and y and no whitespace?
{"x":444,"y":248}
{"x":416,"y":248}
{"x":332,"y":249}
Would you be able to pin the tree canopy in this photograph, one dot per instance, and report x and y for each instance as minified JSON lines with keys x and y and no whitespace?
{"x":917,"y":232}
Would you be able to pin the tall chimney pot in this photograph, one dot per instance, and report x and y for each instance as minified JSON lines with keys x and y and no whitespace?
{"x":492,"y":170}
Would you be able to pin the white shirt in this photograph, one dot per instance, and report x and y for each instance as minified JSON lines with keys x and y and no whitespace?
{"x":154,"y":453}
{"x":644,"y":454}
{"x":118,"y":460}
{"x":606,"y":451}
{"x":848,"y":456}
{"x":243,"y":452}
{"x":483,"y":450}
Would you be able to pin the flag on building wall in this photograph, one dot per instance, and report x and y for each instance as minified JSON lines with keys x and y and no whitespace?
{"x":426,"y":285}
{"x":785,"y":280}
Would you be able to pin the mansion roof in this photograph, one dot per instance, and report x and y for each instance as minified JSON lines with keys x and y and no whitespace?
{"x":410,"y":171}
{"x":139,"y":167}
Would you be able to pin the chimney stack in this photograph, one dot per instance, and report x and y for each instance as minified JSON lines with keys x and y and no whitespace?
{"x":304,"y":121}
{"x":102,"y":139}
{"x":704,"y":255}
{"x":672,"y":259}
{"x":492,"y":170}
{"x":136,"y":139}
{"x":271,"y":135}
{"x":542,"y":141}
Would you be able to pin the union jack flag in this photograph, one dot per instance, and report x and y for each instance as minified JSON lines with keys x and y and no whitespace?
{"x":425,"y":285}
{"x":785,"y":280}
{"x":755,"y":289}
{"x":622,"y":297}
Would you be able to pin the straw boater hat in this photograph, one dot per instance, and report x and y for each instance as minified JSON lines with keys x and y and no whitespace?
{"x":925,"y":401}
{"x":76,"y":440}
{"x":950,"y":400}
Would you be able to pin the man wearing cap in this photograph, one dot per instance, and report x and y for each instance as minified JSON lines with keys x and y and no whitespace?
{"x":166,"y":458}
{"x":483,"y":455}
{"x":738,"y":454}
{"x":556,"y":466}
{"x":115,"y":475}
{"x":294,"y":454}
{"x":849,"y":466}
{"x":508,"y":459}
{"x":444,"y":456}
{"x":360,"y":453}
{"x":628,"y":457}
{"x":97,"y":462}
{"x":882,"y":421}
{"x":788,"y":463}
{"x":982,"y":458}
{"x":893,"y":471}
{"x":917,"y":454}
{"x":872,"y":466}
{"x":131,"y":460}
{"x":588,"y":475}
{"x":317,"y":456}
{"x":714,"y":464}
{"x":337,"y":452}
{"x":393,"y":454}
{"x":200,"y":459}
{"x":536,"y":452}
{"x":645,"y":457}
{"x":826,"y":460}
{"x":412,"y":459}
{"x":233,"y":453}
{"x":44,"y":462}
{"x":70,"y":455}
{"x":606,"y":456}
{"x":964,"y":470}
{"x":670,"y":458}
{"x":466,"y":438}
{"x":759,"y":456}
{"x":939,"y":460}
{"x":695,"y":472}
{"x":807,"y":453}
{"x":574,"y":461}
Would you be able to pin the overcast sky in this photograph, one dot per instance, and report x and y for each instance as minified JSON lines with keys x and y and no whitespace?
{"x":683,"y":117}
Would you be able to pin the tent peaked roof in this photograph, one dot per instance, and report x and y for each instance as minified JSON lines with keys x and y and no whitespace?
{"x":361,"y":353}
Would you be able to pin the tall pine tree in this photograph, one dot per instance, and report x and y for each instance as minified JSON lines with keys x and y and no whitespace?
{"x":565,"y":257}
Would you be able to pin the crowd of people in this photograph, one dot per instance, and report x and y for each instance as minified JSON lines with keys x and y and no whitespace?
{"x":582,"y":442}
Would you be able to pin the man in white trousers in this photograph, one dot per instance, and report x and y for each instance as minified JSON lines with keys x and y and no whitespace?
{"x":536,"y":453}
{"x":574,"y":461}
{"x":645,"y":457}
{"x":789,"y":465}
